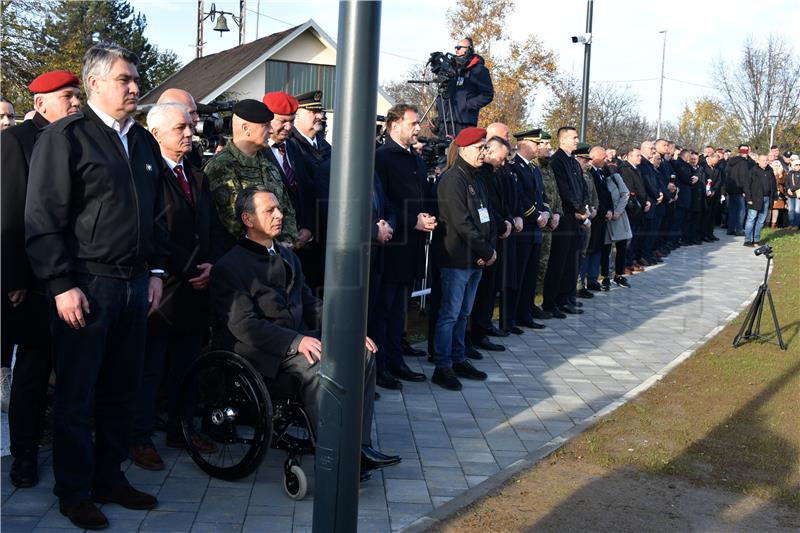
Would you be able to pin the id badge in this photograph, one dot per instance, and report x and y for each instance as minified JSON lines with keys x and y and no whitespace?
{"x":460,"y":81}
{"x":483,"y":214}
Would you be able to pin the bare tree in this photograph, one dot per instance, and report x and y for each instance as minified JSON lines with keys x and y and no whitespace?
{"x":762,"y":84}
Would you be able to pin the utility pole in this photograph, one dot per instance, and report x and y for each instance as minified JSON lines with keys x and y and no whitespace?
{"x":772,"y":120}
{"x":587,"y":56}
{"x":242,"y":11}
{"x":344,"y":324}
{"x":661,"y":92}
{"x":200,"y":19}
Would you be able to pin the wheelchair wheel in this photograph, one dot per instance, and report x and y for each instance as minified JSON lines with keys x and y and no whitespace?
{"x":228,"y":404}
{"x":295,"y":482}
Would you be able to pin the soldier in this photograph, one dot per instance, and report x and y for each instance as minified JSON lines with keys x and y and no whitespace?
{"x":542,"y":162}
{"x":242,"y":164}
{"x":308,"y":126}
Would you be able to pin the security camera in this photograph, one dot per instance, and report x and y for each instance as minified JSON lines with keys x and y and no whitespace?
{"x":584,"y":38}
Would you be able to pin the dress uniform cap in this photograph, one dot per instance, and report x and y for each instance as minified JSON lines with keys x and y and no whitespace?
{"x":582,"y":150}
{"x":53,"y":80}
{"x":312,"y":100}
{"x":253,"y":111}
{"x":470,"y":136}
{"x":546,"y":136}
{"x":534,"y":135}
{"x":280,"y":103}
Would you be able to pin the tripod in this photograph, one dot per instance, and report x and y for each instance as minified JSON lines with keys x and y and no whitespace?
{"x":449,"y":129}
{"x":753,"y":317}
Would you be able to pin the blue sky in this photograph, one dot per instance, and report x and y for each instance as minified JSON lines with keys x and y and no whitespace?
{"x":626,"y":49}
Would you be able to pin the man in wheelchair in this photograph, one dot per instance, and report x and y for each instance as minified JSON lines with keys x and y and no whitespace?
{"x":265,"y":312}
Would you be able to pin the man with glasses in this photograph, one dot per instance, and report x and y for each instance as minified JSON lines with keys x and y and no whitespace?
{"x":466,"y":93}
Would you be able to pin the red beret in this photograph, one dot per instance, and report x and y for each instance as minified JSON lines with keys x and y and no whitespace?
{"x":52,"y":81}
{"x":469,"y":136}
{"x":280,"y":103}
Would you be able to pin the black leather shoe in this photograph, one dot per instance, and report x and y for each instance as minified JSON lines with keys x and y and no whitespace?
{"x":622,"y":281}
{"x":557,"y":313}
{"x":365,"y":475}
{"x":446,"y":378}
{"x":585,"y":293}
{"x":576,"y":304}
{"x":84,"y":514}
{"x":387,"y":381}
{"x":594,"y":286}
{"x":606,"y":285}
{"x":540,"y":314}
{"x":515,"y":330}
{"x":409,"y":350}
{"x":485,"y":344}
{"x":570,"y":310}
{"x":471,"y":352}
{"x":372,"y":459}
{"x":25,"y":471}
{"x":494,"y":332}
{"x":465,"y":370}
{"x":406,"y":374}
{"x":530,"y":324}
{"x":126,"y":496}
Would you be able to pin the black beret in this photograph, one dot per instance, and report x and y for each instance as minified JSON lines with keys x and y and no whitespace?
{"x":253,"y":111}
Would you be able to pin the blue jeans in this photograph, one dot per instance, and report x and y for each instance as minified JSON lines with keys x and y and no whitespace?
{"x":793,"y":205}
{"x":755,"y":221}
{"x":590,"y":268}
{"x":736,"y":213}
{"x":458,"y":294}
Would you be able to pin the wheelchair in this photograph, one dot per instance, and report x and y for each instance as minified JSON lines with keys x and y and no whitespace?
{"x":228,"y":403}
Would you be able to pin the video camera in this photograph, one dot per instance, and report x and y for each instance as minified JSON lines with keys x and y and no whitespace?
{"x":444,"y":66}
{"x":434,"y":151}
{"x":215,"y":121}
{"x":762,"y":250}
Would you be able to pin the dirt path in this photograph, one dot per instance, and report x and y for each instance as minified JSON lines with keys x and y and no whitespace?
{"x":575,"y":496}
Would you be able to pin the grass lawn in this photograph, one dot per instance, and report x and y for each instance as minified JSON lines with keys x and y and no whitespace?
{"x":726,"y":418}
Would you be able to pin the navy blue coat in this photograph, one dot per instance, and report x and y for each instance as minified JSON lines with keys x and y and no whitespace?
{"x":302,"y":192}
{"x":683,"y":179}
{"x":469,"y":92}
{"x":530,"y":195}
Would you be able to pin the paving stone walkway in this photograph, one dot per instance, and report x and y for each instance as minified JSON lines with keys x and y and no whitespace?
{"x":542,"y":386}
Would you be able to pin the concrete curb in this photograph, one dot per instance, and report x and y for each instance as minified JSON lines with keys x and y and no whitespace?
{"x":445,"y":511}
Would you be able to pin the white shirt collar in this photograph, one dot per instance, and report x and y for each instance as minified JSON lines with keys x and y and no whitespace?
{"x":170,"y":163}
{"x":312,"y":142}
{"x":521,"y":157}
{"x":111,"y":122}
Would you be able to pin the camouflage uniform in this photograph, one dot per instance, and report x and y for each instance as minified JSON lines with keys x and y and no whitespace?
{"x":231,"y":171}
{"x":551,"y":190}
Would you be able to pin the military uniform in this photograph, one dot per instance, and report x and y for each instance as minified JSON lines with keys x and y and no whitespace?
{"x":232,"y":171}
{"x":551,"y":191}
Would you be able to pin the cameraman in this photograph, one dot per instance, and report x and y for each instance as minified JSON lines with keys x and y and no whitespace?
{"x":468,"y":92}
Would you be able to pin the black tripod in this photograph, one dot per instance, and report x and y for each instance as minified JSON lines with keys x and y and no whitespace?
{"x":449,"y":128}
{"x":753,"y":317}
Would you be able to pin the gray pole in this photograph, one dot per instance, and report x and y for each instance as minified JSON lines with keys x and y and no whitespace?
{"x":587,"y":55}
{"x":338,"y":454}
{"x":661,"y":91}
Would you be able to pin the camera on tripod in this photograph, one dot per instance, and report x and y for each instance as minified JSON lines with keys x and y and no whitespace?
{"x":766,"y":249}
{"x":444,"y":66}
{"x":215,"y":121}
{"x":433,"y":151}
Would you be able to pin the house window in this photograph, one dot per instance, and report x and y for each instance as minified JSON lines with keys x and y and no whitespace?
{"x":296,"y":78}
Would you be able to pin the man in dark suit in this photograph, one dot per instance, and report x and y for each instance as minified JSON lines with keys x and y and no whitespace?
{"x":25,"y":305}
{"x":264,"y":311}
{"x":562,"y":268}
{"x":179,"y":96}
{"x":605,"y":211}
{"x":177,"y":329}
{"x":535,"y":216}
{"x":297,"y":174}
{"x":94,"y":233}
{"x":404,"y":180}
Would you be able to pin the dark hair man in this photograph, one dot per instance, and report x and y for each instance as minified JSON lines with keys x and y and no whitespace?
{"x":462,"y":246}
{"x":712,"y":184}
{"x":25,"y":304}
{"x":467,"y":92}
{"x":94,"y":233}
{"x":265,"y":311}
{"x":243,"y":163}
{"x":404,"y":181}
{"x":631,"y":174}
{"x":760,"y":190}
{"x":176,"y":330}
{"x":562,"y":268}
{"x":536,"y":214}
{"x":6,"y":114}
{"x":736,"y":177}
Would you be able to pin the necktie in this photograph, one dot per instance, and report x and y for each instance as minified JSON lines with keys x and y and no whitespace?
{"x":183,"y":181}
{"x":287,"y":169}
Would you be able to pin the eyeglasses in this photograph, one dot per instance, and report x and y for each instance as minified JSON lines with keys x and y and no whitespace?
{"x":459,"y":47}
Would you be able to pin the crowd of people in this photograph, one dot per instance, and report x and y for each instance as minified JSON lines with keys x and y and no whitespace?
{"x":125,"y":254}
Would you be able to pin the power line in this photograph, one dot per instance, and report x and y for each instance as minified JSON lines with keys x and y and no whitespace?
{"x":689,"y":83}
{"x":626,"y":81}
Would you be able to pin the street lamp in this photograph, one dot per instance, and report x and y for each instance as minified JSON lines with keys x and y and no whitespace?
{"x":772,"y":120}
{"x":661,"y":92}
{"x":586,"y":40}
{"x":221,"y":25}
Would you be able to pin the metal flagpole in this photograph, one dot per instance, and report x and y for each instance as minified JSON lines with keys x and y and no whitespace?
{"x":338,"y":453}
